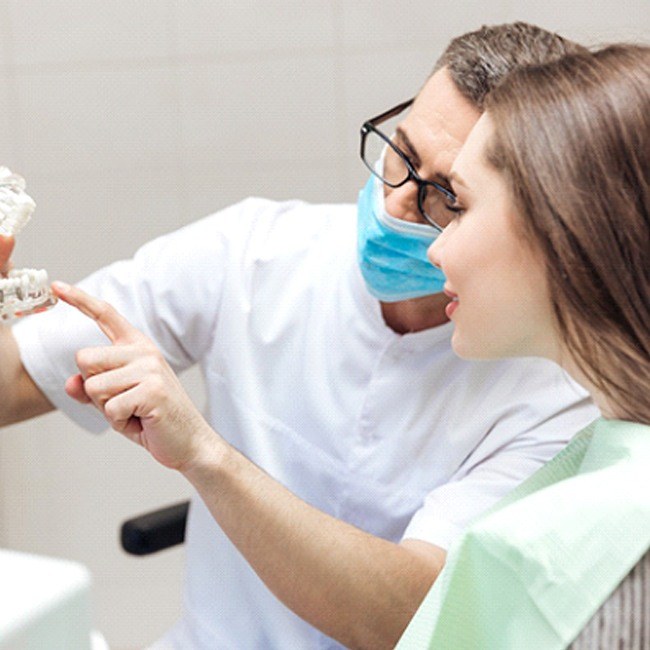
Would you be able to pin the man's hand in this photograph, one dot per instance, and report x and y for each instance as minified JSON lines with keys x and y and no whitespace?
{"x":130,"y":382}
{"x":6,"y":248}
{"x":359,"y":589}
{"x":21,"y":397}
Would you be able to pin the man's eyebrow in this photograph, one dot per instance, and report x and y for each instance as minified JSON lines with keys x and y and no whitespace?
{"x":412,"y":153}
{"x":415,"y":159}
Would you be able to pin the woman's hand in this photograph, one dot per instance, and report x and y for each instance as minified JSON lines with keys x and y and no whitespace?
{"x":133,"y":386}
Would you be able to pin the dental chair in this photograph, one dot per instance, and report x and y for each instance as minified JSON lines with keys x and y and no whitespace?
{"x":623,"y":620}
{"x":155,"y":531}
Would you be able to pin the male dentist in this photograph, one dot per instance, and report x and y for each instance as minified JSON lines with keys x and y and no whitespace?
{"x":344,"y":446}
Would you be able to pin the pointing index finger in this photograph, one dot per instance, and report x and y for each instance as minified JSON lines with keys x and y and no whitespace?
{"x":112,"y":323}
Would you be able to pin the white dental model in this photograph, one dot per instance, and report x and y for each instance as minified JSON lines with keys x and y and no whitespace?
{"x":23,"y":291}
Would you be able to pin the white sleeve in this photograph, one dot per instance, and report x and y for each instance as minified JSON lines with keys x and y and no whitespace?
{"x":170,"y":290}
{"x":492,"y":471}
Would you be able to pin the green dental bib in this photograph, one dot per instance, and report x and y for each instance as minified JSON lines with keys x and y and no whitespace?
{"x":533,"y":571}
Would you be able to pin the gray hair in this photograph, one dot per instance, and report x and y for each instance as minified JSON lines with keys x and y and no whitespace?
{"x":479,"y":60}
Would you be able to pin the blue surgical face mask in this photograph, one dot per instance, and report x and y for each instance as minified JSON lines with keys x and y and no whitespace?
{"x":392,"y":252}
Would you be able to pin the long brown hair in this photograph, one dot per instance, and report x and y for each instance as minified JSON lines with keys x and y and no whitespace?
{"x":572,"y":138}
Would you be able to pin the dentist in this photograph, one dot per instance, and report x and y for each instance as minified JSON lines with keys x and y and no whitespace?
{"x":344,"y":445}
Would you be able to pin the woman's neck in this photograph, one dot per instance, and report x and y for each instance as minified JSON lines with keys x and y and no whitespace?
{"x":602,"y":401}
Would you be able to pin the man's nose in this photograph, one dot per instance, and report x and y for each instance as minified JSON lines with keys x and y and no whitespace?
{"x":402,"y":202}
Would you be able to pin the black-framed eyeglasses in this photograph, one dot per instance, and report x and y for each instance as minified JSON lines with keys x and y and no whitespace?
{"x":433,"y":198}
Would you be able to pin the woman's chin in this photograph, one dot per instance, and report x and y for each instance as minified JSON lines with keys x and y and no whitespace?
{"x":459,"y":345}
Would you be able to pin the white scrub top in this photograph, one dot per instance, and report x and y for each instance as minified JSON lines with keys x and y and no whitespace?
{"x":393,"y":434}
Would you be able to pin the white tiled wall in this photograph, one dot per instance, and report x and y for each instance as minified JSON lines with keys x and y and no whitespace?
{"x":130,"y":119}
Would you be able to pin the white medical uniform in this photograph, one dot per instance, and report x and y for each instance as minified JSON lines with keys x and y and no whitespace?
{"x":393,"y":434}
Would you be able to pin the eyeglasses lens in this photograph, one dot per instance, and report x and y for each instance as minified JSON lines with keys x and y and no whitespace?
{"x":393,"y":171}
{"x":434,"y":205}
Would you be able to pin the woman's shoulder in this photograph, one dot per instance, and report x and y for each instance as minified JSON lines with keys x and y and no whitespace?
{"x":594,"y":492}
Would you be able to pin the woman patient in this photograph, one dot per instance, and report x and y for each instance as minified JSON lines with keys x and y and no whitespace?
{"x":553,"y":220}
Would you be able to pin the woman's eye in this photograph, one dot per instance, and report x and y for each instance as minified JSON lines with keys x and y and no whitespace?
{"x":457,"y":209}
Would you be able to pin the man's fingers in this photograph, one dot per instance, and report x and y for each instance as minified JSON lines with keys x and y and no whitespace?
{"x":112,"y":323}
{"x":120,"y":412}
{"x":6,"y":248}
{"x":106,"y":385}
{"x":114,"y":402}
{"x":93,"y":361}
{"x":74,"y":387}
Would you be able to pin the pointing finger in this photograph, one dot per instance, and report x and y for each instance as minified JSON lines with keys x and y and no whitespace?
{"x":112,"y":323}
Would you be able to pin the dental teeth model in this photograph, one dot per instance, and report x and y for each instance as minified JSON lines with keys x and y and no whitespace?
{"x":16,"y":206}
{"x":22,"y":291}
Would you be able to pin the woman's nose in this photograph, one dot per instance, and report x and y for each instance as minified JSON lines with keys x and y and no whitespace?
{"x":402,"y":202}
{"x":434,"y":252}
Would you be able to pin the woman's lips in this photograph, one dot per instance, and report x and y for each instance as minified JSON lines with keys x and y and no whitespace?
{"x":451,"y":308}
{"x":453,"y":305}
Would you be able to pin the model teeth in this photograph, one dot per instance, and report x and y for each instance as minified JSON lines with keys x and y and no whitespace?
{"x":25,"y":291}
{"x":16,"y":206}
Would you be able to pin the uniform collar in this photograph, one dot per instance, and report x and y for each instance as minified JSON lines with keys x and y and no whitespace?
{"x":370,"y":309}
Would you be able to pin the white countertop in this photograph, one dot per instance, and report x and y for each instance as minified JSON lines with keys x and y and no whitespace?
{"x":45,"y":602}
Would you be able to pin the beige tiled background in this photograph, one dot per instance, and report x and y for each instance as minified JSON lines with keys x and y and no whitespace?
{"x":130,"y":119}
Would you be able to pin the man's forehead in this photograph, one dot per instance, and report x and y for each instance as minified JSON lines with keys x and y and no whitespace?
{"x":441,"y":108}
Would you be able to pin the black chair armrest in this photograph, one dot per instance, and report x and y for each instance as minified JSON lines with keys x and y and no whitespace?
{"x":155,"y":531}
